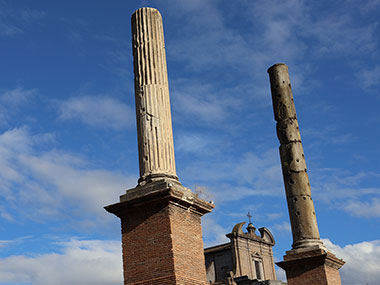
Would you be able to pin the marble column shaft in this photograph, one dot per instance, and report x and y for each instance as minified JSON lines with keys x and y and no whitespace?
{"x":154,"y":125}
{"x":300,"y":204}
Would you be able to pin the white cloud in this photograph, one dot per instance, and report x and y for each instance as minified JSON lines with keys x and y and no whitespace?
{"x":29,"y":15}
{"x":369,"y":6}
{"x":293,"y":24}
{"x":327,"y":135}
{"x":6,"y":27}
{"x":17,"y":96}
{"x":369,"y":78}
{"x":49,"y":184}
{"x":189,"y":101}
{"x":79,"y":262}
{"x":231,"y":179}
{"x":5,"y":214}
{"x":213,"y":233}
{"x":206,"y":109}
{"x":194,"y":143}
{"x":280,"y":274}
{"x":352,"y":193}
{"x":258,"y":174}
{"x":362,"y":262}
{"x":12,"y":21}
{"x":279,"y":28}
{"x":16,"y":241}
{"x":99,"y":262}
{"x":352,"y":37}
{"x":200,"y":144}
{"x":274,"y":216}
{"x":13,"y":99}
{"x":8,"y":30}
{"x":97,"y":111}
{"x":282,"y":228}
{"x":5,"y":243}
{"x":369,"y":209}
{"x":263,"y":169}
{"x":287,"y":32}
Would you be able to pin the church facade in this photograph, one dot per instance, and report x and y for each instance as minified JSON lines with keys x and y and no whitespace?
{"x":246,"y":259}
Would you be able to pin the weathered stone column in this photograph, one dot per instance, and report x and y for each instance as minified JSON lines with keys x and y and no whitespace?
{"x":154,"y":125}
{"x":300,"y":204}
{"x":308,"y":262}
{"x":160,"y":218}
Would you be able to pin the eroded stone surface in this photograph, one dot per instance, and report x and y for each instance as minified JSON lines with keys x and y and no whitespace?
{"x":300,"y":204}
{"x":161,"y":219}
{"x":292,"y":157}
{"x":154,"y":125}
{"x":288,"y":131}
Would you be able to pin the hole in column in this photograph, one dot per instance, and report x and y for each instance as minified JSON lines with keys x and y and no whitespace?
{"x":304,"y":198}
{"x":295,"y":199}
{"x":298,"y":213}
{"x":277,"y":86}
{"x":298,"y":160}
{"x":146,"y":157}
{"x":313,"y":213}
{"x":289,"y":85}
{"x":283,"y":82}
{"x":292,"y":182}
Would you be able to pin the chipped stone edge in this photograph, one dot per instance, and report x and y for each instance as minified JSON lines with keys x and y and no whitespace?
{"x":163,"y":189}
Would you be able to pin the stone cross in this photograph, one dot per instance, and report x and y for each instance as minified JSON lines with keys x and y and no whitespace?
{"x":300,"y":204}
{"x":154,"y":124}
{"x":249,"y":217}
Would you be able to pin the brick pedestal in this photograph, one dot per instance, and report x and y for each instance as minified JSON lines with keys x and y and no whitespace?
{"x":311,"y":267}
{"x":161,"y":234}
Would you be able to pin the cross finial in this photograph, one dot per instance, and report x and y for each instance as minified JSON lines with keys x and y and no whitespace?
{"x":249,"y":217}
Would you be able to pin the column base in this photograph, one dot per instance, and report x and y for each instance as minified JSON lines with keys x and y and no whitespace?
{"x":162,"y":234}
{"x":311,"y":266}
{"x":307,"y":243}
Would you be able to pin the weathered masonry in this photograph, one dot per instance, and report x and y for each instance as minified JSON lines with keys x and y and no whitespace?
{"x":246,"y":260}
{"x":308,"y":262}
{"x":160,"y":218}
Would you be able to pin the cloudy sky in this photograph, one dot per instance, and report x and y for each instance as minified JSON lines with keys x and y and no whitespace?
{"x":68,"y":141}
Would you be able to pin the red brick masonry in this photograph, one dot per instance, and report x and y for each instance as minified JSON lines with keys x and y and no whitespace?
{"x":313,"y":267}
{"x":162,"y":235}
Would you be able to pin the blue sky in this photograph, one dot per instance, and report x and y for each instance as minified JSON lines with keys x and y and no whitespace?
{"x":68,"y":141}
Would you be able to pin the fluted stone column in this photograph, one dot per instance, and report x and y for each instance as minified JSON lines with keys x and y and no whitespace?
{"x":160,"y":218}
{"x":300,"y":204}
{"x":154,"y":125}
